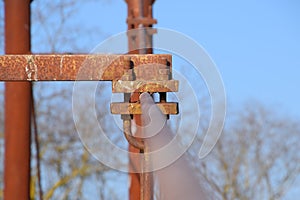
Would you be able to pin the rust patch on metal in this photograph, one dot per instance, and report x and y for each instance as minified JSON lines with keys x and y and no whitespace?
{"x":135,"y":108}
{"x":71,"y":67}
{"x":121,"y":86}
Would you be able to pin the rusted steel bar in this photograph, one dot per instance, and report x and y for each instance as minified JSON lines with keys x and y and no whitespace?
{"x":17,"y":105}
{"x":140,"y":16}
{"x":71,"y":67}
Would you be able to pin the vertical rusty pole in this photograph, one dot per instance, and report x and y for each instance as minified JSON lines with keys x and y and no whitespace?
{"x":17,"y":105}
{"x":140,"y":16}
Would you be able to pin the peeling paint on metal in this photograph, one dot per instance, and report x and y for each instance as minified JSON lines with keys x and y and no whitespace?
{"x":31,"y":68}
{"x":72,"y":67}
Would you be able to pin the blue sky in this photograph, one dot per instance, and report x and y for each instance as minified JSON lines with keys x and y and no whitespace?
{"x":255,"y":44}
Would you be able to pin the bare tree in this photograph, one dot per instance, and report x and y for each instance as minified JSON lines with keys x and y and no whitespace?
{"x":56,"y":27}
{"x":257,"y":156}
{"x":67,"y":167}
{"x":68,"y":170}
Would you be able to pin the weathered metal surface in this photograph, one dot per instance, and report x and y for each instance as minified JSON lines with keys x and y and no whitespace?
{"x":152,"y":72}
{"x":121,"y":86}
{"x":144,"y":21}
{"x":129,"y":136}
{"x":17,"y":105}
{"x":135,"y":108}
{"x":72,"y":67}
{"x":140,"y":41}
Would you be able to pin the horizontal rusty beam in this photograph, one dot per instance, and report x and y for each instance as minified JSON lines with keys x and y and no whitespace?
{"x":135,"y":108}
{"x":121,"y":86}
{"x":72,"y":67}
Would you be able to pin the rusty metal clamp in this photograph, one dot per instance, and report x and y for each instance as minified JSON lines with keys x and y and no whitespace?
{"x":153,"y":78}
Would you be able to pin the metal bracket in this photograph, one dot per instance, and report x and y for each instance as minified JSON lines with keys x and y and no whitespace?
{"x":154,"y":77}
{"x":129,"y":74}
